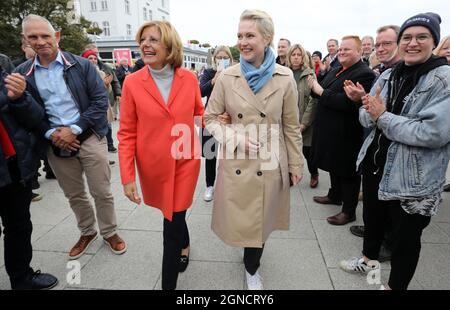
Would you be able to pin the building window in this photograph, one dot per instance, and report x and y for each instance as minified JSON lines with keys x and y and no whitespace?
{"x":163,"y":17}
{"x":150,"y":15}
{"x":163,"y":3}
{"x":106,"y":31}
{"x":104,"y":5}
{"x":127,"y":7}
{"x":145,"y":14}
{"x":93,"y":5}
{"x":128,"y":30}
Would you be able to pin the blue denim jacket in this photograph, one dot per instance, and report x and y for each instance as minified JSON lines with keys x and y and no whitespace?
{"x":419,"y":153}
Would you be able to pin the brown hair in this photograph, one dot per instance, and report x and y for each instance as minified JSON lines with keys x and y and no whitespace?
{"x":306,"y":63}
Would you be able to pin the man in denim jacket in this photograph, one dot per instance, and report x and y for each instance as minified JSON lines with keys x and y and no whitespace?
{"x":409,"y":146}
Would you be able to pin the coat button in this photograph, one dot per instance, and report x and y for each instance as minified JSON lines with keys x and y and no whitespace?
{"x":238,"y":172}
{"x":240,"y":115}
{"x":263,"y":115}
{"x":259,"y":173}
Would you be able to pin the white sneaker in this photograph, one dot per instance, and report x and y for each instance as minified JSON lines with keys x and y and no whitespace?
{"x":209,"y":193}
{"x":357,"y":265}
{"x":254,"y":282}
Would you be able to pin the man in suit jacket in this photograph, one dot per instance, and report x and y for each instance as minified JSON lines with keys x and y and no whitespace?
{"x":338,"y":136}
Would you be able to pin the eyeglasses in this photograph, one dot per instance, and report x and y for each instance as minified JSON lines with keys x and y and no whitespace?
{"x":222,"y":57}
{"x":420,"y":38}
{"x":384,"y":44}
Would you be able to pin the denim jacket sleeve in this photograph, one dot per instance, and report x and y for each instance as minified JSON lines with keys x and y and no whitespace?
{"x":364,"y":117}
{"x":428,"y":126}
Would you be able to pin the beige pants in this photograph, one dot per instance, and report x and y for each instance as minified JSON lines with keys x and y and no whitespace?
{"x":93,"y":162}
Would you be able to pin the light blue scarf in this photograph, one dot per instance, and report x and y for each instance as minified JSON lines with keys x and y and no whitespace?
{"x":257,"y":78}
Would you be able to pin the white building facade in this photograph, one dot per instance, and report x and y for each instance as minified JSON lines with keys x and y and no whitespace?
{"x":120,"y":19}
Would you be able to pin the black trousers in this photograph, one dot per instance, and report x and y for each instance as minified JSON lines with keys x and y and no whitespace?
{"x":209,"y":151}
{"x":210,"y":171}
{"x":345,"y":189}
{"x":407,"y":229}
{"x":15,"y":202}
{"x":376,"y":217}
{"x":311,"y":167}
{"x":252,"y":259}
{"x":109,"y":137}
{"x":176,"y":238}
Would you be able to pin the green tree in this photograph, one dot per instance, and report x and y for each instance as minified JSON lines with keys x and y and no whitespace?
{"x":58,"y":12}
{"x":235,"y":52}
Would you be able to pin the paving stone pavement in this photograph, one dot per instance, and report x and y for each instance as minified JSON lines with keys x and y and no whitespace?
{"x":304,"y":258}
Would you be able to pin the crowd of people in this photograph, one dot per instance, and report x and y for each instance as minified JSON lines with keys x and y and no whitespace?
{"x":373,"y":113}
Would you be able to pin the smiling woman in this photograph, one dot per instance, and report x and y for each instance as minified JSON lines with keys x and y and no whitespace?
{"x":251,"y":199}
{"x":157,"y":99}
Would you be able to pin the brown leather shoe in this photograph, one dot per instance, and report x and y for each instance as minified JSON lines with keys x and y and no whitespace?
{"x":325,"y":200}
{"x":341,"y":219}
{"x":116,"y":244}
{"x":81,"y":246}
{"x":314,"y":181}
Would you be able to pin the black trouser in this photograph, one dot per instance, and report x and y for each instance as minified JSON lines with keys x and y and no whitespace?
{"x":209,"y":151}
{"x":311,"y":167}
{"x":252,"y":259}
{"x":176,"y":238}
{"x":15,"y":202}
{"x":109,"y":137}
{"x":210,"y":171}
{"x":407,"y":229}
{"x":345,"y":189}
{"x":376,"y":216}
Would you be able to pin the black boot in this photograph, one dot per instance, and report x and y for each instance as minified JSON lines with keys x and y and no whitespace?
{"x":36,"y":281}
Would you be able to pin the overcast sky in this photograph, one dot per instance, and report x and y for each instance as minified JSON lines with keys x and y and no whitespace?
{"x":310,"y":23}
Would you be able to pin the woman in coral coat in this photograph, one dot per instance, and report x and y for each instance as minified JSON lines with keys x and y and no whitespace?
{"x":157,"y":134}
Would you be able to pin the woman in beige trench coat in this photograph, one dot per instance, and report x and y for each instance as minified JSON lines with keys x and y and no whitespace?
{"x":261,"y":148}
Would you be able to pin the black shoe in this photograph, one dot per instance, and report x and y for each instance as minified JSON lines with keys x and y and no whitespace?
{"x":447,"y":188}
{"x":112,"y":149}
{"x":35,"y":184}
{"x":35,"y":197}
{"x":37,"y":281}
{"x":358,"y":231}
{"x":184,"y":262}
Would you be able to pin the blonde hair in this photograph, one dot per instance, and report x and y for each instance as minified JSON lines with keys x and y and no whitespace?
{"x":169,"y":38}
{"x":305,"y":58}
{"x":263,"y":22}
{"x":373,"y":60}
{"x":221,"y":48}
{"x":441,"y":44}
{"x":356,"y":39}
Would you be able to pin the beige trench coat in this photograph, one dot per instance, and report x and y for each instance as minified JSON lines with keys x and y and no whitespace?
{"x":252,"y":197}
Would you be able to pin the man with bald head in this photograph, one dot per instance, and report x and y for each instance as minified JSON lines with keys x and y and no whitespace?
{"x":75,"y":99}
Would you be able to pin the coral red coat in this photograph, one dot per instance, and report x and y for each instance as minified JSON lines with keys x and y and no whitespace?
{"x":149,"y":132}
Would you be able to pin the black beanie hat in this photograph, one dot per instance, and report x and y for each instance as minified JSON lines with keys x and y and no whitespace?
{"x":317,"y":53}
{"x":429,"y":20}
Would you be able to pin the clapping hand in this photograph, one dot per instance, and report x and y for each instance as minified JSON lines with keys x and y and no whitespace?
{"x":374,"y":105}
